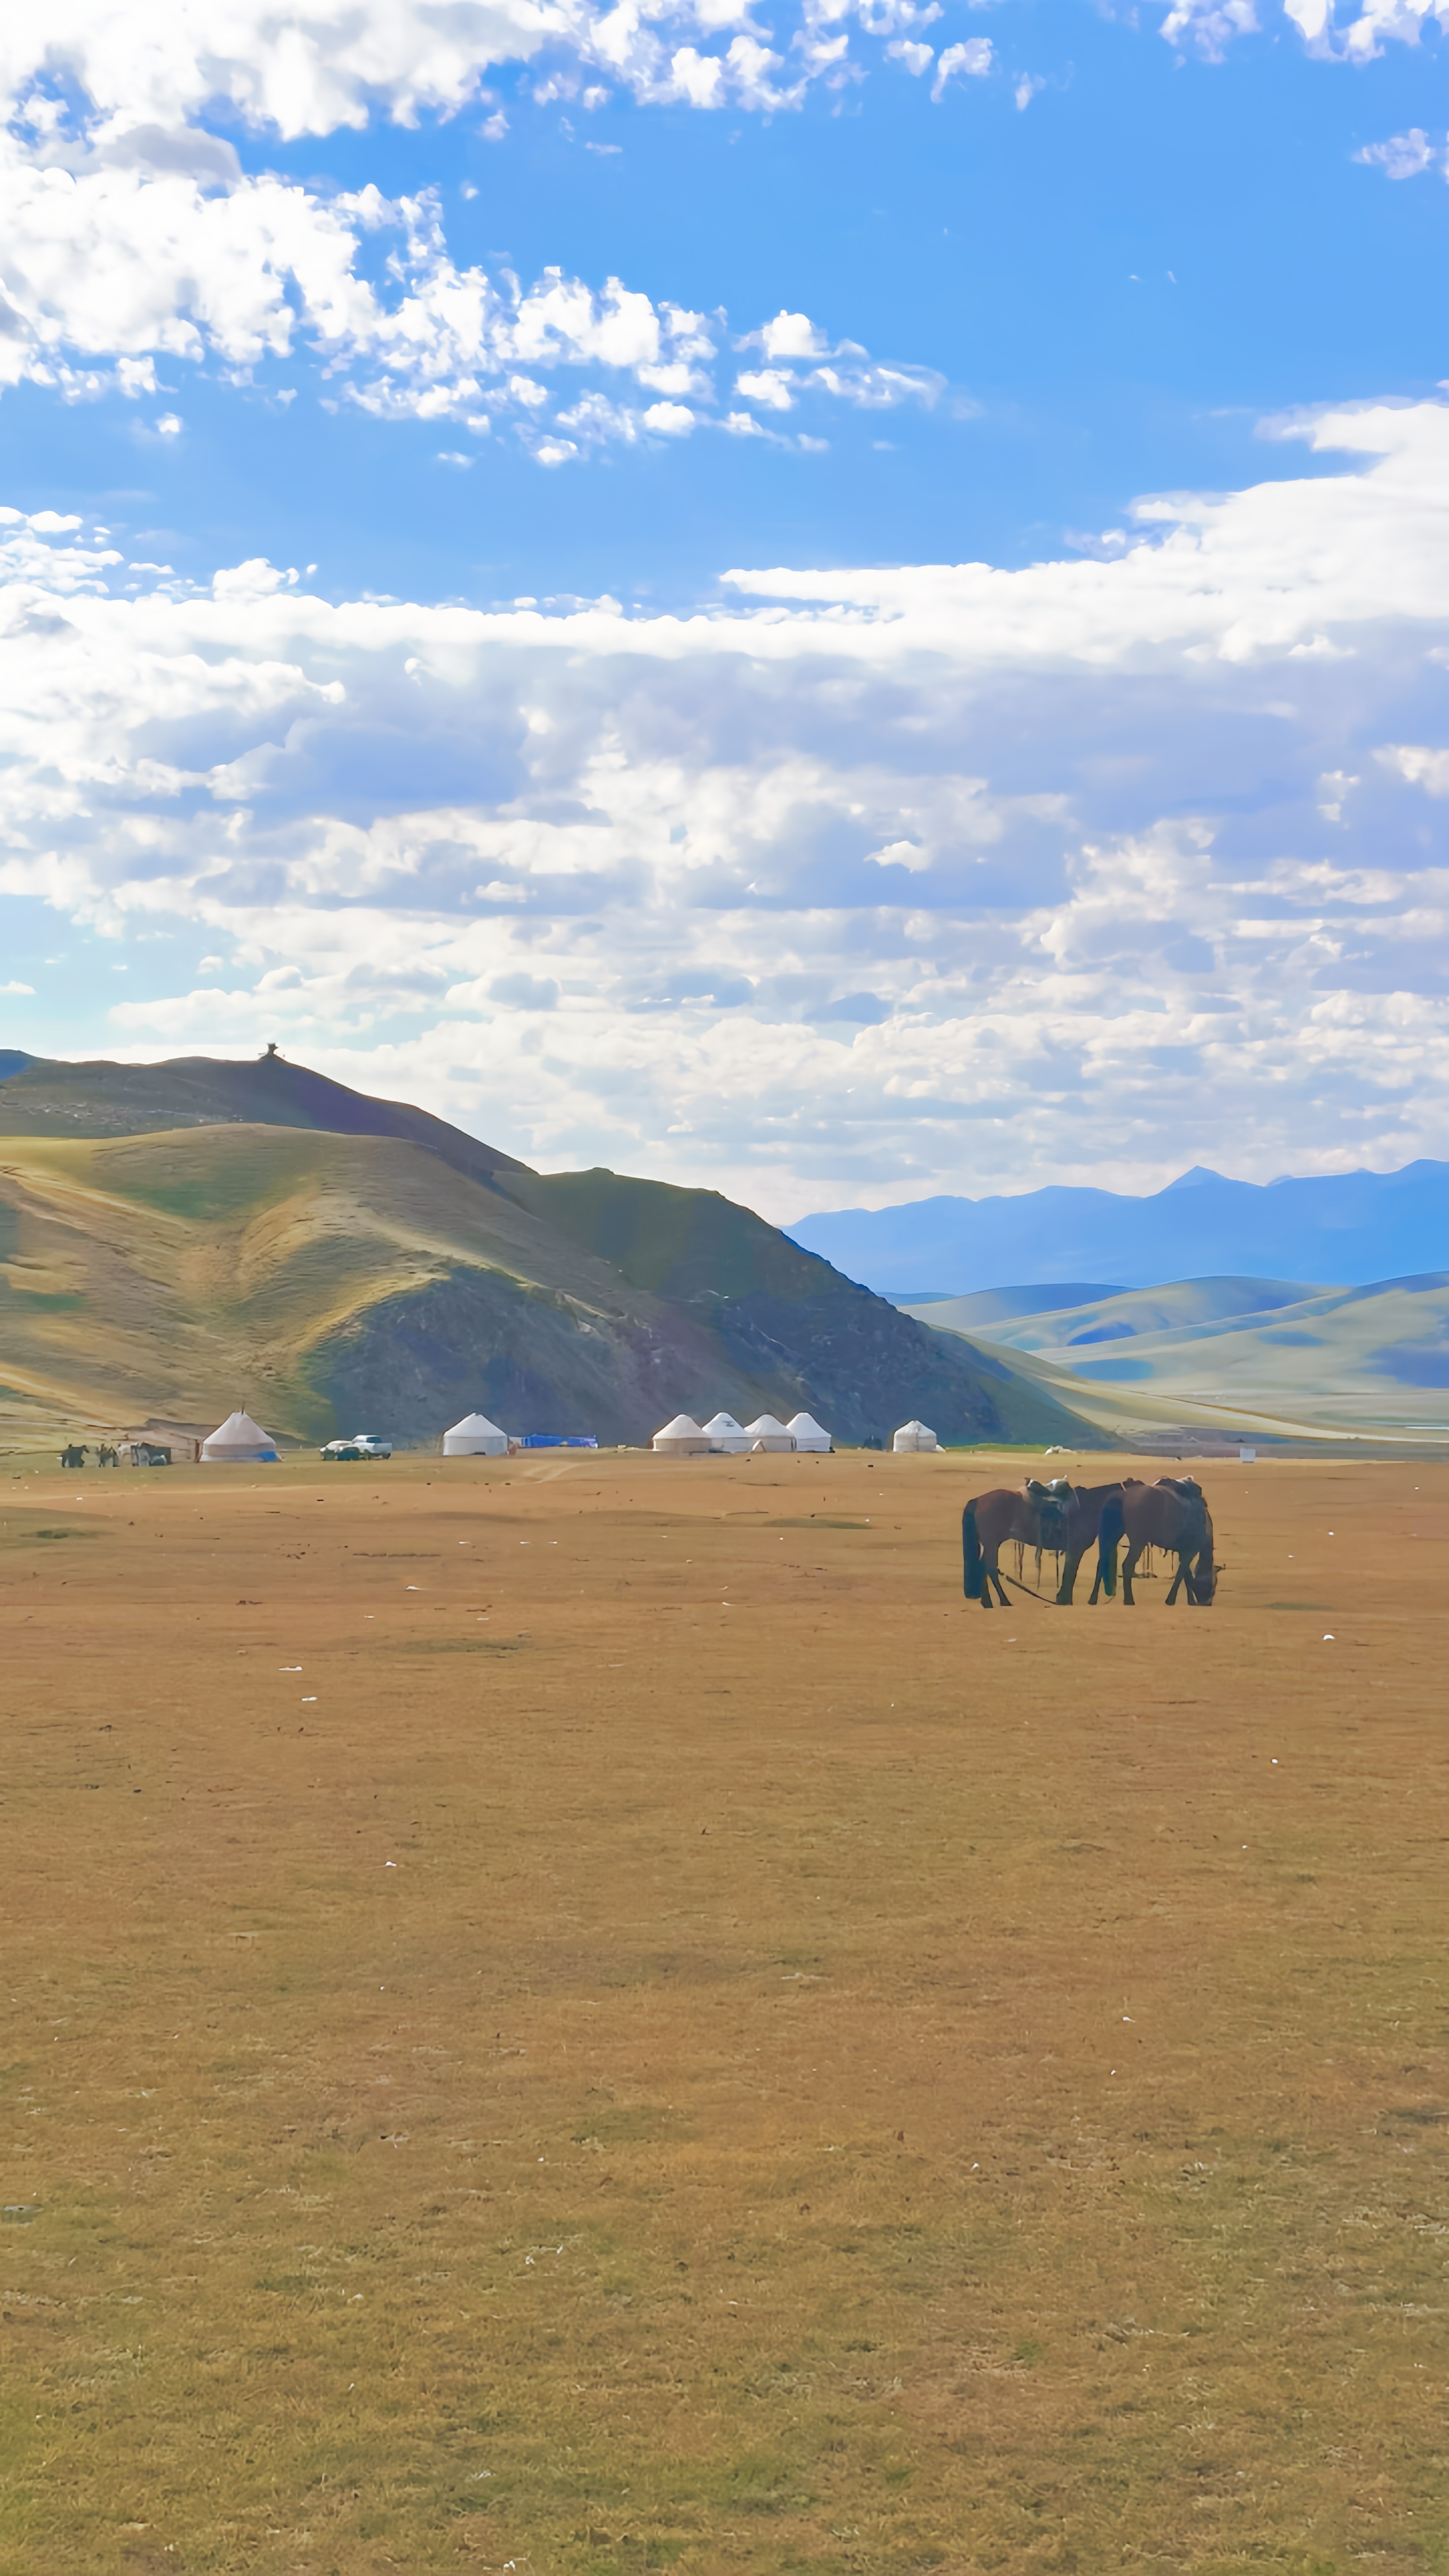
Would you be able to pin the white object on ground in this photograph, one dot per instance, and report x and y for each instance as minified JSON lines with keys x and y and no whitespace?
{"x":681,"y":1438}
{"x":914,"y":1435}
{"x":766,"y":1433}
{"x":807,"y":1433}
{"x":475,"y":1437}
{"x":723,"y":1432}
{"x":239,"y":1442}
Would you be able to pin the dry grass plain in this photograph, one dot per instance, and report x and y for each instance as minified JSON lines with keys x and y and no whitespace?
{"x":593,"y":2016}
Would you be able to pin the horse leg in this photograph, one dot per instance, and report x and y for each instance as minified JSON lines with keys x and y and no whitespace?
{"x":1070,"y":1562}
{"x":1180,"y":1578}
{"x":1001,"y":1592}
{"x":1129,"y":1562}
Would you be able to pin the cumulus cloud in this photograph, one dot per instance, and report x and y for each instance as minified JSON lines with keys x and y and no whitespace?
{"x":106,"y":267}
{"x":338,"y":63}
{"x":867,"y":883}
{"x":1350,"y":35}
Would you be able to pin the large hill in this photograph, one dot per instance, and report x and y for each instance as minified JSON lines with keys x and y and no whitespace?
{"x":1353,"y":1227}
{"x":177,"y":1239}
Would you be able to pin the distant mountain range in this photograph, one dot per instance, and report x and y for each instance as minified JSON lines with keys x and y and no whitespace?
{"x":177,"y":1239}
{"x":1350,"y":1229}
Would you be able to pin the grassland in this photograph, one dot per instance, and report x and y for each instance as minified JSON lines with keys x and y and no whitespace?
{"x":595,"y":2018}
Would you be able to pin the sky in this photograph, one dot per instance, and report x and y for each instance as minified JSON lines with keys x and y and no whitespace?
{"x":834,"y":601}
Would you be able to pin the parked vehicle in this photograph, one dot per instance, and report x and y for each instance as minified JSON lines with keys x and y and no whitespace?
{"x":363,"y":1444}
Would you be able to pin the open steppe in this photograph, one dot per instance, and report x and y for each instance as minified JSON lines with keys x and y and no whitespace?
{"x":591,"y":2015}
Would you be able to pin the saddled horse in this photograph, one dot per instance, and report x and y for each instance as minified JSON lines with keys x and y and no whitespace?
{"x":1076,"y":1521}
{"x":991,"y":1522}
{"x":1171,"y":1515}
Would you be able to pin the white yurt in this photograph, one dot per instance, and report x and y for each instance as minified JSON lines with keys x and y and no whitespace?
{"x":806,"y":1433}
{"x":681,"y":1438}
{"x":767,"y":1433}
{"x":723,"y":1432}
{"x":475,"y":1437}
{"x":914,"y":1435}
{"x":239,"y":1442}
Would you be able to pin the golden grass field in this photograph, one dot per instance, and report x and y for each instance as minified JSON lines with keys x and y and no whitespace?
{"x":592,"y":2016}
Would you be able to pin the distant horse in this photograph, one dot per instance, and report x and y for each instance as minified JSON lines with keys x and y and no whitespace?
{"x":1075,"y":1513}
{"x":1171,"y":1515}
{"x":991,"y":1522}
{"x":73,"y":1455}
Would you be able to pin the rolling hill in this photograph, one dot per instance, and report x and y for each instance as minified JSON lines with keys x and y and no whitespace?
{"x":1256,"y":1358}
{"x":1353,"y":1226}
{"x":168,"y":1250}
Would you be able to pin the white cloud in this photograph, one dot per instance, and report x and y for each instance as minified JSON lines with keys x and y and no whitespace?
{"x":1358,"y":35}
{"x":791,"y":335}
{"x":669,"y":420}
{"x":972,"y":60}
{"x":1401,"y":156}
{"x":917,"y":58}
{"x":115,"y":267}
{"x":868,"y":883}
{"x":767,"y":385}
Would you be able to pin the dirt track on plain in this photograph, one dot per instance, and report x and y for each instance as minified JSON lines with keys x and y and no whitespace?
{"x":594,"y":2016}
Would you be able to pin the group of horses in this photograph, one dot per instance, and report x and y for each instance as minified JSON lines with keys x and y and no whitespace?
{"x":1064,"y":1520}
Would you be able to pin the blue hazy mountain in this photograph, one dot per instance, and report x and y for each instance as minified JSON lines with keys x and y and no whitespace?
{"x":1350,"y":1228}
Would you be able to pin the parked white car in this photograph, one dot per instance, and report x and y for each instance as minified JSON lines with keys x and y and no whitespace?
{"x":363,"y":1444}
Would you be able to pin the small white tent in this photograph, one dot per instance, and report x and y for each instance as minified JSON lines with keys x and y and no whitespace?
{"x":723,"y":1432}
{"x":767,"y":1433}
{"x":475,"y":1437}
{"x":914,"y":1435}
{"x":681,"y":1438}
{"x":239,"y":1442}
{"x":806,"y":1433}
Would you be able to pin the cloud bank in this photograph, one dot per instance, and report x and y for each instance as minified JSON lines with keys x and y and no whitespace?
{"x":876,"y":882}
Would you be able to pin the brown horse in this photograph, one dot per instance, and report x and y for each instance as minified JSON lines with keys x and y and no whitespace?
{"x":1170,"y":1515}
{"x":990,"y":1522}
{"x":1075,"y":1515}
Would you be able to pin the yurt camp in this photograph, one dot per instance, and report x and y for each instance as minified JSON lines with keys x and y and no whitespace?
{"x":475,"y":1437}
{"x":239,"y":1442}
{"x":724,"y":1433}
{"x":806,"y":1432}
{"x":914,"y":1435}
{"x":681,"y":1438}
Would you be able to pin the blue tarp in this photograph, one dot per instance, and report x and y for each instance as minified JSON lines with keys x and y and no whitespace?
{"x":558,"y":1440}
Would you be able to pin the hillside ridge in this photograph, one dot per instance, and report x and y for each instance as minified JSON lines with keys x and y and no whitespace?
{"x":336,"y":1278}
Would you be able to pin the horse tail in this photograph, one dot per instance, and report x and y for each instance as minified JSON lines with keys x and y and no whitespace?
{"x":971,"y":1557}
{"x":1110,"y":1530}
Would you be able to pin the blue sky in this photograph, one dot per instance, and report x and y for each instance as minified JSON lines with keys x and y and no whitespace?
{"x":849,"y":881}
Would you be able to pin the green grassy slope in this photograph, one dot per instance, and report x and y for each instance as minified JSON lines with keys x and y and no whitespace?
{"x":328,"y":1281}
{"x":1372,"y":1360}
{"x":1119,"y":1314}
